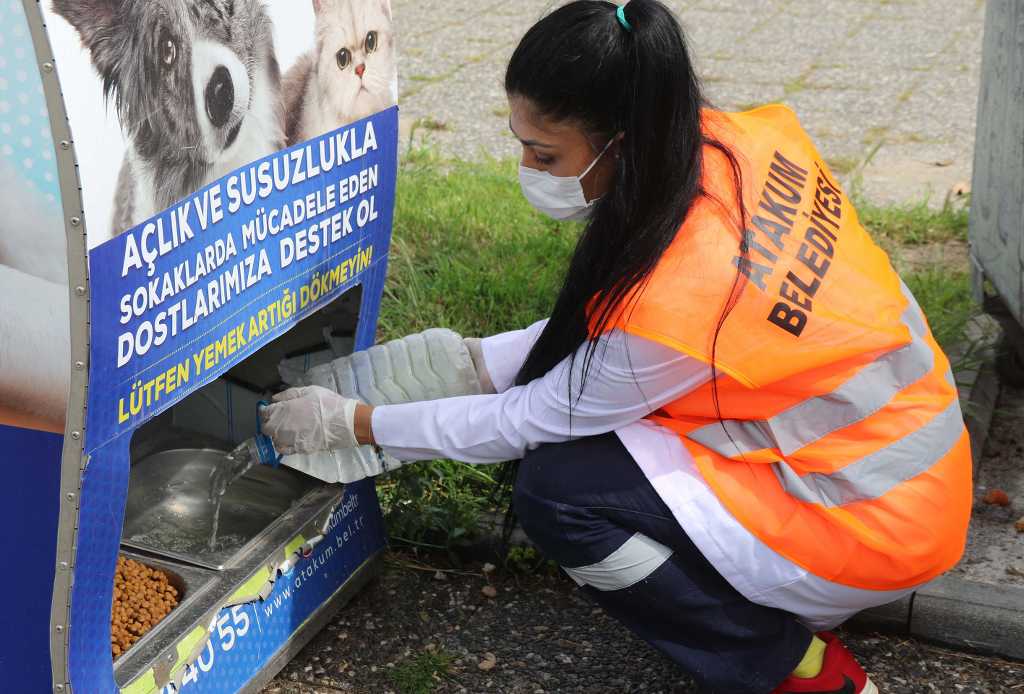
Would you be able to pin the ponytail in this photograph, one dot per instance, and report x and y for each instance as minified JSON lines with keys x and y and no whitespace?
{"x":611,"y":71}
{"x":633,"y":75}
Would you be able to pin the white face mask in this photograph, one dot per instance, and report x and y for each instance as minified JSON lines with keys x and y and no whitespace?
{"x":560,"y":197}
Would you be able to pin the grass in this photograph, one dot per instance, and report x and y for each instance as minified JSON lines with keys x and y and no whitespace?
{"x":914,"y":225}
{"x":875,"y":135}
{"x":842,"y":165}
{"x":421,"y":674}
{"x":431,"y":124}
{"x":796,"y":85}
{"x":945,"y":297}
{"x":942,"y":289}
{"x":470,"y":254}
{"x":427,"y":79}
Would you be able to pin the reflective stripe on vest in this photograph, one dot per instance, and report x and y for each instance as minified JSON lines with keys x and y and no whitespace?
{"x":874,"y":475}
{"x":864,"y":394}
{"x":868,"y":391}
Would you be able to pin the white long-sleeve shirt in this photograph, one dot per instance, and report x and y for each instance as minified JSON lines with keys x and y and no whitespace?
{"x":630,"y":377}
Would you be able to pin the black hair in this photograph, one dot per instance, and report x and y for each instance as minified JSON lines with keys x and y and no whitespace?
{"x":579,"y":64}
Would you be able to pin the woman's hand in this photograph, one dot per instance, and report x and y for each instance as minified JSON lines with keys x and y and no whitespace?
{"x":313,"y":419}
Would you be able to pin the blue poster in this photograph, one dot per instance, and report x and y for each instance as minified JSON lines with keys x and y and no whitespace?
{"x":184,"y":296}
{"x":187,"y":294}
{"x":229,"y":170}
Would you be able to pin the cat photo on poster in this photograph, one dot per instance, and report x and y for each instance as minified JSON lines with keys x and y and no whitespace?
{"x":200,"y":88}
{"x":348,"y":75}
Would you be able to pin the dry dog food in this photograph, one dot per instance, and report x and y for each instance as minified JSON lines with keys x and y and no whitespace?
{"x":142,"y":597}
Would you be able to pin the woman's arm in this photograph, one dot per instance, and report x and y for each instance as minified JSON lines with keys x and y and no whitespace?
{"x":630,"y":377}
{"x":503,"y":354}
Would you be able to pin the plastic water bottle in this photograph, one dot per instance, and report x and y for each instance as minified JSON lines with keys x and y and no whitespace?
{"x":259,"y":450}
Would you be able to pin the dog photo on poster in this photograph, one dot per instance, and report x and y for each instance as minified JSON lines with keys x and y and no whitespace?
{"x":168,"y":96}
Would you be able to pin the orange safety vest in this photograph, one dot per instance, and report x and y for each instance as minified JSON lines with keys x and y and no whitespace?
{"x":841,"y":444}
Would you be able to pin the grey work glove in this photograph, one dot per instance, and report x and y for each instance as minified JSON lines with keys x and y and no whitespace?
{"x":314,"y":428}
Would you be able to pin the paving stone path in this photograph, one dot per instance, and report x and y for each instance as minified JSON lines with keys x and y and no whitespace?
{"x":888,"y":88}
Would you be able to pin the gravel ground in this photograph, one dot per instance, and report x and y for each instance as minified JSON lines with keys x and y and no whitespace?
{"x":545,"y":636}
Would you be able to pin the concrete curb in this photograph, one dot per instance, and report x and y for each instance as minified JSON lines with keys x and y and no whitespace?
{"x":954,"y":612}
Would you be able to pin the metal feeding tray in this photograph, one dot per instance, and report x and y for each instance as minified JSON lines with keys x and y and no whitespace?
{"x":170,"y":513}
{"x":188,"y":580}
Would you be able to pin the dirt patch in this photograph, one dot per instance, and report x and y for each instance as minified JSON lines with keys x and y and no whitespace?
{"x":995,"y":548}
{"x":950,"y":254}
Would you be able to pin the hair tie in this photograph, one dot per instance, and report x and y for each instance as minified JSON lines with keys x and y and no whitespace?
{"x":621,"y":14}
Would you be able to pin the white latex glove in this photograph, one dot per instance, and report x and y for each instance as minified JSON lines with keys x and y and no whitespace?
{"x":309,"y":420}
{"x":314,"y":428}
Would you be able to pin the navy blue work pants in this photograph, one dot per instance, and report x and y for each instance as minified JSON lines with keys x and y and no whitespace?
{"x":580,"y":502}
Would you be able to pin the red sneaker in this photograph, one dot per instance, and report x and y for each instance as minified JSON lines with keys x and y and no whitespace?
{"x":840,"y":674}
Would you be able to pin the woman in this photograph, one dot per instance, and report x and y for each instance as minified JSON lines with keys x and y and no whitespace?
{"x":735,"y":428}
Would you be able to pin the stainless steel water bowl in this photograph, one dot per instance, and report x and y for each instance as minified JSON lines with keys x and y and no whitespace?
{"x":170,"y":512}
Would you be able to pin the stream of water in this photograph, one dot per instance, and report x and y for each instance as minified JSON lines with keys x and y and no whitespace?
{"x":233,"y":465}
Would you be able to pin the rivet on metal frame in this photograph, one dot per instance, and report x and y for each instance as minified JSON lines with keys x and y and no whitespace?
{"x":80,"y":291}
{"x":64,"y":144}
{"x":59,"y":628}
{"x":58,"y":688}
{"x":75,"y":221}
{"x":79,"y":365}
{"x":64,"y":565}
{"x":76,"y":435}
{"x":71,"y":496}
{"x":47,"y":67}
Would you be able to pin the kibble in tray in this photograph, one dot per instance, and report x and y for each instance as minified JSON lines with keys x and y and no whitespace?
{"x":142,"y":597}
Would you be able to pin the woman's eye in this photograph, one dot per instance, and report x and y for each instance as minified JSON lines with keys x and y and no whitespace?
{"x":370,"y":44}
{"x":344,"y":58}
{"x":546,"y":161}
{"x":168,"y":49}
